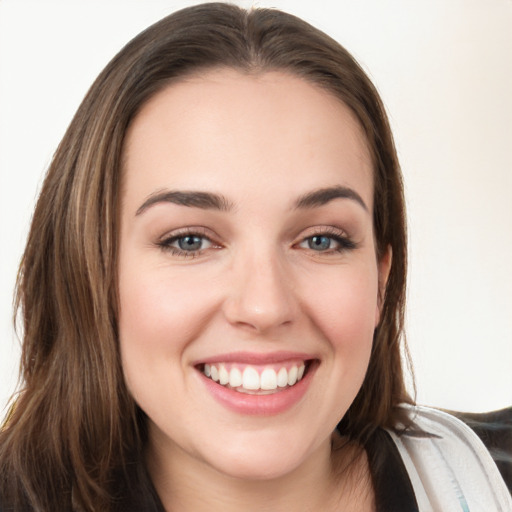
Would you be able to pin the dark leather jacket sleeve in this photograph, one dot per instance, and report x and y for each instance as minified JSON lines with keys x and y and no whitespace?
{"x":495,"y":430}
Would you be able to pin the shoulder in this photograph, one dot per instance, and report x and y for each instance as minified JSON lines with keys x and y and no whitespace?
{"x":448,"y":463}
{"x":495,"y":430}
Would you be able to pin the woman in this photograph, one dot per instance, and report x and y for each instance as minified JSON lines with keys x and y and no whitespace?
{"x":213,"y":291}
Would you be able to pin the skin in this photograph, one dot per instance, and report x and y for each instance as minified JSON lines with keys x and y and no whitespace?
{"x":262,"y":141}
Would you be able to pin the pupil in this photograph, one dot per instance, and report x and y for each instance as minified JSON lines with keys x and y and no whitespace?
{"x":190,"y":243}
{"x":319,"y":242}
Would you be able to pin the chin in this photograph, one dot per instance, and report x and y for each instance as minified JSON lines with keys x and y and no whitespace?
{"x":258,"y":470}
{"x":261,"y":459}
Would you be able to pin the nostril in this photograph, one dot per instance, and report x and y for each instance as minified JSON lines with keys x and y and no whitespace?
{"x":261,"y":297}
{"x":258,"y":317}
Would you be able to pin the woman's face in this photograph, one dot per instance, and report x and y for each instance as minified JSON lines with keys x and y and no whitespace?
{"x":247,"y":259}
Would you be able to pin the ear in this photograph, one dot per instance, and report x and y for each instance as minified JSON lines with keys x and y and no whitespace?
{"x":384,"y":267}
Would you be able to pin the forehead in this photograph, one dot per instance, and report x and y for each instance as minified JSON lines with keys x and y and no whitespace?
{"x":215,"y":127}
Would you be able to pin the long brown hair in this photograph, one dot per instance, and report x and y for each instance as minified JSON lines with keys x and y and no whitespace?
{"x":74,"y":429}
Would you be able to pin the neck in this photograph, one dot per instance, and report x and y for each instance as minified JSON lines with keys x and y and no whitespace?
{"x":328,"y":480}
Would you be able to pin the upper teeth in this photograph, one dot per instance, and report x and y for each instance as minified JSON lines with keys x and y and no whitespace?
{"x":251,"y":378}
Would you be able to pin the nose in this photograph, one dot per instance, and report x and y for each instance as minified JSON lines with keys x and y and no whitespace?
{"x":261,"y":295}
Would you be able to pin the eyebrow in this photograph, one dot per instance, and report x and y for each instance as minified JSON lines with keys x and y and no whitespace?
{"x":325,"y":195}
{"x":203,"y":200}
{"x":211,"y":201}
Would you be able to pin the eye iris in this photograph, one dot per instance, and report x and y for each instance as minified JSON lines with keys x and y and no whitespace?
{"x":319,"y":243}
{"x":190,"y":243}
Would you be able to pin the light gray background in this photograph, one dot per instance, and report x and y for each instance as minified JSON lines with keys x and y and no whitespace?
{"x":444,"y":69}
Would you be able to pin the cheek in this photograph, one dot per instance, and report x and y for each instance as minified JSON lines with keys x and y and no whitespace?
{"x":153,"y":327}
{"x":159,"y":309}
{"x":159,"y":317}
{"x":345,"y":311}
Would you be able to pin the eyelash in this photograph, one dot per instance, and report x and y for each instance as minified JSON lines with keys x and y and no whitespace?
{"x":343,"y":242}
{"x":166,"y":243}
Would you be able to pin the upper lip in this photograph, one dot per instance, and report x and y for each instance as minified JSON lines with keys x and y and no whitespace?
{"x":255,"y":358}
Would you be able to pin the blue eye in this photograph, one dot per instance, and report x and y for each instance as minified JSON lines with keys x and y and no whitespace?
{"x":190,"y":242}
{"x":320,"y":242}
{"x":327,"y":243}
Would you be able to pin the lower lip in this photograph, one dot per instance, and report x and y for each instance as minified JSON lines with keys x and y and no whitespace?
{"x":262,"y":405}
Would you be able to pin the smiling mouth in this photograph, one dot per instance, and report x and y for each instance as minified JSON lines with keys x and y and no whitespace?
{"x":256,"y":379}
